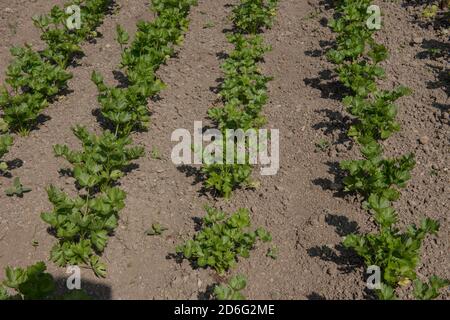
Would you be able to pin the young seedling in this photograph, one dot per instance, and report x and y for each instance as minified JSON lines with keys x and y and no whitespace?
{"x":424,"y":291}
{"x":232,"y":290}
{"x":209,"y":25}
{"x":323,"y":145}
{"x":17,"y":189}
{"x":222,"y":240}
{"x":156,"y":230}
{"x":272,"y":252}
{"x":155,"y":154}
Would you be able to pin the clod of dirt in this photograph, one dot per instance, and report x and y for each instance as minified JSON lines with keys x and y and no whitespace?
{"x":424,"y":140}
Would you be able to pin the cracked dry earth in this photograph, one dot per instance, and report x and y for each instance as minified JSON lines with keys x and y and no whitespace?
{"x":301,"y":206}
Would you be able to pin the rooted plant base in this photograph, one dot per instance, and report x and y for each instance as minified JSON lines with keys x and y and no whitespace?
{"x":301,"y":206}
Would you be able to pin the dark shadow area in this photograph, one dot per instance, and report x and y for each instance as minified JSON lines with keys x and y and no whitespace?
{"x":216,"y":89}
{"x":335,"y":121}
{"x":328,"y":4}
{"x":222,"y":55}
{"x":346,"y":259}
{"x":198,"y":223}
{"x":315,"y":296}
{"x":96,"y":290}
{"x":65,"y":172}
{"x":337,"y":185}
{"x":441,"y":106}
{"x":343,"y":226}
{"x":433,"y":50}
{"x":191,"y":171}
{"x":328,"y":84}
{"x":12,"y":165}
{"x":208,"y":294}
{"x":121,"y":78}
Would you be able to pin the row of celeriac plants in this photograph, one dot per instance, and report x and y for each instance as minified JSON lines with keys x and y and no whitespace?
{"x":243,"y":92}
{"x":84,"y":223}
{"x":35,"y":78}
{"x":376,"y":177}
{"x":223,"y":240}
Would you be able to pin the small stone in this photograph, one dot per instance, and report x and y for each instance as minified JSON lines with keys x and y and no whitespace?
{"x":424,"y":140}
{"x":278,"y":188}
{"x":331,"y":271}
{"x":108,"y":46}
{"x":341,"y":148}
{"x":8,"y":10}
{"x":417,"y":40}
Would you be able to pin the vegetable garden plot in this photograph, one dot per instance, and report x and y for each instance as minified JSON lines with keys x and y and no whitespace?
{"x":258,"y":235}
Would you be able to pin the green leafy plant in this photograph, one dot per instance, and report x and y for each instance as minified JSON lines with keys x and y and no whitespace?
{"x":424,"y":291}
{"x":155,"y":154}
{"x":250,"y":16}
{"x":17,"y":189}
{"x":243,"y":91}
{"x":6,"y":142}
{"x":357,"y":56}
{"x":232,"y":290}
{"x":33,"y":283}
{"x":376,"y":175}
{"x":156,"y":230}
{"x":222,"y":240}
{"x":224,"y":178}
{"x":103,"y":158}
{"x":323,"y":145}
{"x":82,"y":225}
{"x":376,"y":118}
{"x":395,"y":253}
{"x":272,"y":253}
{"x":35,"y":78}
{"x":125,"y":109}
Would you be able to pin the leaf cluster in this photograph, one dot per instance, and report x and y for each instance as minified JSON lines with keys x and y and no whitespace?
{"x":125,"y":109}
{"x":231,"y":290}
{"x":222,"y":240}
{"x":243,"y":91}
{"x":103,"y":159}
{"x":34,"y":78}
{"x":82,"y":226}
{"x":33,"y":283}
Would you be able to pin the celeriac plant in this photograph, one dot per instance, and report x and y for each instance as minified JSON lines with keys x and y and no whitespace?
{"x":33,"y":283}
{"x":82,"y":226}
{"x":222,"y":240}
{"x":103,"y":158}
{"x":232,"y":290}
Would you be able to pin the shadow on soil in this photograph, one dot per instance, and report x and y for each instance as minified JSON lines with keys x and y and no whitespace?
{"x":332,"y":185}
{"x":315,"y":296}
{"x":96,"y":290}
{"x":346,"y":260}
{"x":327,"y":82}
{"x":12,"y":165}
{"x":434,"y":50}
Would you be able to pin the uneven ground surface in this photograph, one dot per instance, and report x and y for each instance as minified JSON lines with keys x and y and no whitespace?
{"x":301,"y":206}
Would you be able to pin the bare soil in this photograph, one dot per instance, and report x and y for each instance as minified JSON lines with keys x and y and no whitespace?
{"x":302,"y":206}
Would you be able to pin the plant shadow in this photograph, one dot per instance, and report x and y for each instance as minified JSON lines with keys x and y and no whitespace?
{"x":346,"y":259}
{"x":97,"y":290}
